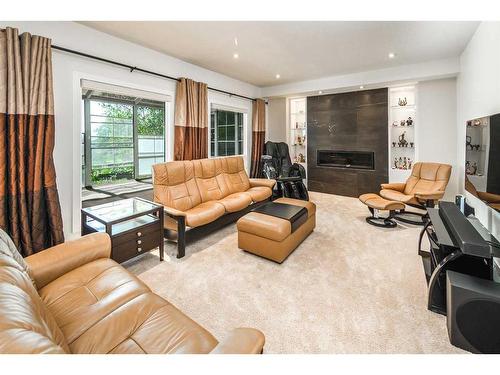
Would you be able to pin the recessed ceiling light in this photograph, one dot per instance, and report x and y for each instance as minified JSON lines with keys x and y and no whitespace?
{"x":235,"y":55}
{"x":361,"y":87}
{"x":278,"y":76}
{"x":235,"y":41}
{"x":392,"y":55}
{"x":320,"y":92}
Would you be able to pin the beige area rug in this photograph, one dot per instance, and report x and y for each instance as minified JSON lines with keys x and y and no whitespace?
{"x":349,"y":288}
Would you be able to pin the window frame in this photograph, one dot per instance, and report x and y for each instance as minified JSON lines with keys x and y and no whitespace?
{"x":239,"y":151}
{"x":135,"y":138}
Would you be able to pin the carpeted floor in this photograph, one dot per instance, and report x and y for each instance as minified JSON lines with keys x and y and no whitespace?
{"x":349,"y":288}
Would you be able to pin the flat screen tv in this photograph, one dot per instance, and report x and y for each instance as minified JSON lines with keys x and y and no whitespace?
{"x":482,"y":159}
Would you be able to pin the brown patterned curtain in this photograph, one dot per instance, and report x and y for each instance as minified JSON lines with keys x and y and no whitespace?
{"x":29,"y":204}
{"x":258,"y":135}
{"x":191,"y":117}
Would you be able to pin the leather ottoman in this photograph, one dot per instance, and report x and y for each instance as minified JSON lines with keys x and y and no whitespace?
{"x":275,"y":237}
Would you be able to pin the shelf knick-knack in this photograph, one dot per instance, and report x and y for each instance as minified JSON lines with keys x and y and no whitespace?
{"x":402,"y":102}
{"x":409,"y":122}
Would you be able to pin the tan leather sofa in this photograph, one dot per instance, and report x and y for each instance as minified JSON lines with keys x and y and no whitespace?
{"x":202,"y":195}
{"x":72,"y":298}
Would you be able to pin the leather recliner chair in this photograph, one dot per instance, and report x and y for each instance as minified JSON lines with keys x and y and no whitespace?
{"x":72,"y":298}
{"x":289,"y":177}
{"x":282,"y":162}
{"x":425,"y":186}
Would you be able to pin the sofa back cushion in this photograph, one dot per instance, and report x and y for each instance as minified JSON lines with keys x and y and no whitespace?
{"x":210,"y":179}
{"x":235,"y":175}
{"x":174,"y":185}
{"x":427,"y":178}
{"x":26,"y":324}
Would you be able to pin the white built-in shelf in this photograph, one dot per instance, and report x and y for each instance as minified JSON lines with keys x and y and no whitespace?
{"x":297,"y":127}
{"x":398,"y":113}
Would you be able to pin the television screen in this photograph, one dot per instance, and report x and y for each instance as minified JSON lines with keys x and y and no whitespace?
{"x":482,"y":161}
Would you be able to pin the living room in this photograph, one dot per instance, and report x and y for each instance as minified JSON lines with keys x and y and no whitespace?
{"x":200,"y":186}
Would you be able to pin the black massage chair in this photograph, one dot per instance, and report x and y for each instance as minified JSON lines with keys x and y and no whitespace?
{"x":276,"y":164}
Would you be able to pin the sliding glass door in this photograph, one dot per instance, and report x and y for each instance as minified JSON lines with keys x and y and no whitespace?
{"x":123,"y":137}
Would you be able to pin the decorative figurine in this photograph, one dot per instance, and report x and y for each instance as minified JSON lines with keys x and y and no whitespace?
{"x":402,"y":102}
{"x":393,"y":144}
{"x":477,"y":122}
{"x":402,"y":141}
{"x":468,"y":144}
{"x":411,"y":144}
{"x":409,"y":163}
{"x":400,"y":163}
{"x":395,"y":123}
{"x":405,"y":165}
{"x":402,"y":123}
{"x":409,"y":122}
{"x":395,"y":163}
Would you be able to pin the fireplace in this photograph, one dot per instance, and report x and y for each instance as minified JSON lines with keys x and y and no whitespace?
{"x":345,"y":159}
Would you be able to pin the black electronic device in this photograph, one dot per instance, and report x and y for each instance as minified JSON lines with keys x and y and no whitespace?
{"x":473,"y":313}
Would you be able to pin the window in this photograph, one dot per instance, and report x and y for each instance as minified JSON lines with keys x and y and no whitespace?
{"x":226,"y":132}
{"x":122,"y":137}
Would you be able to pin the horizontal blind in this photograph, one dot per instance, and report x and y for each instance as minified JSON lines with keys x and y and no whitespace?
{"x":222,"y":107}
{"x":125,"y":91}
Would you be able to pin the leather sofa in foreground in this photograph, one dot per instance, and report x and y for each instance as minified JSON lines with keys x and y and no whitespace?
{"x":72,"y":298}
{"x":202,"y":195}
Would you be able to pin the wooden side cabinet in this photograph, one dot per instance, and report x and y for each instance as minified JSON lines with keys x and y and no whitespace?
{"x":135,"y":226}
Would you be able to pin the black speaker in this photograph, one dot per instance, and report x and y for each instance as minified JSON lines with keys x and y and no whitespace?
{"x":473,"y":313}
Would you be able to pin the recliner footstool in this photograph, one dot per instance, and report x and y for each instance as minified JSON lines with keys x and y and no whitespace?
{"x":376,"y":203}
{"x":274,"y":237}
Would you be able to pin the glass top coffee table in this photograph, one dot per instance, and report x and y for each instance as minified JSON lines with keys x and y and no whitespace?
{"x":135,"y":226}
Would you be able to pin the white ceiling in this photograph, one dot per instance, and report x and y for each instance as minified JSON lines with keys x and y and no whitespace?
{"x":296,"y":50}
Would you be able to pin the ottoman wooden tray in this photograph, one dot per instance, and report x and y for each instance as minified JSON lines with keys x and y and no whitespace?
{"x":275,"y":229}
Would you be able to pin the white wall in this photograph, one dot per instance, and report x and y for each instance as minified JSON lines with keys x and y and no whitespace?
{"x":478,"y":95}
{"x":68,"y":69}
{"x":276,"y":121}
{"x":436,"y":127}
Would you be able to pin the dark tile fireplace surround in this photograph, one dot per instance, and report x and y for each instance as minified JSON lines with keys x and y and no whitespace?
{"x":347,"y":142}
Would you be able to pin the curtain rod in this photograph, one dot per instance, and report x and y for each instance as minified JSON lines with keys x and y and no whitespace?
{"x":135,"y":68}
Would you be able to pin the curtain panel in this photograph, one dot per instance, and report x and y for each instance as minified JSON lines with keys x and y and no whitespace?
{"x":258,"y":136}
{"x":29,"y":203}
{"x":191,"y":118}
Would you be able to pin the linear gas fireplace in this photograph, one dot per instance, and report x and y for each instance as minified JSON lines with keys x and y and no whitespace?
{"x":346,"y":159}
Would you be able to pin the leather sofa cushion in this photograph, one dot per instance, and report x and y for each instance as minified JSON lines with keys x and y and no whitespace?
{"x":397,"y":196}
{"x":204,"y":213}
{"x":26,"y":325}
{"x":236,"y":202}
{"x":427,"y":177}
{"x":82,"y":297}
{"x":235,"y":175}
{"x":175,"y":185}
{"x":259,"y":193}
{"x":102,"y":308}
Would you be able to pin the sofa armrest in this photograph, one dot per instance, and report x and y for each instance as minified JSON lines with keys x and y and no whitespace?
{"x":49,"y":264}
{"x":254,"y":182}
{"x":432,"y":195}
{"x":398,"y":186}
{"x":172,"y":212}
{"x":241,"y":341}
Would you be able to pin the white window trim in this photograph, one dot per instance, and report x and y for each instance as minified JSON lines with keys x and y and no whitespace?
{"x":223,"y":107}
{"x":77,"y":121}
